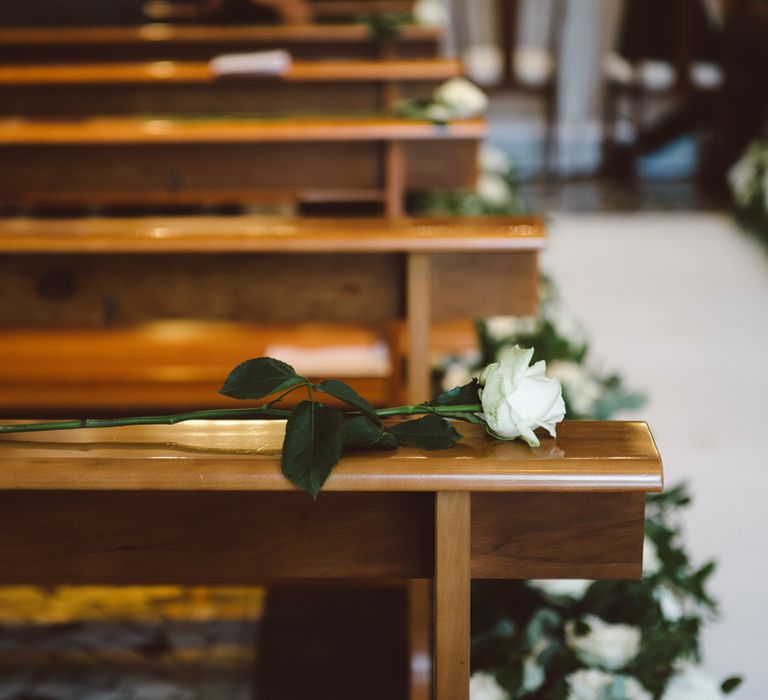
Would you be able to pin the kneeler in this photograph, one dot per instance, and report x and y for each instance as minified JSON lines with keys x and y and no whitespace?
{"x":205,"y":504}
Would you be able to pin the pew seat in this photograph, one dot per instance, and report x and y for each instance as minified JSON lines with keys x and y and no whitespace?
{"x":185,"y":87}
{"x":168,"y":42}
{"x":137,"y":161}
{"x":82,"y":283}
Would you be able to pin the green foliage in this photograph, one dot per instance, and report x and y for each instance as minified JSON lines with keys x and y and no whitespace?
{"x":263,"y":376}
{"x":384,"y":27}
{"x":360,"y":431}
{"x":346,"y":393}
{"x":429,"y":433}
{"x":459,"y":395}
{"x":314,"y":437}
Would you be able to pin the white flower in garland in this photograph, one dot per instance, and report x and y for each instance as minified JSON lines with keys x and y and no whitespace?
{"x":494,"y":160}
{"x":517,"y":399}
{"x":669,"y":602}
{"x":484,"y":686}
{"x":573,"y":589}
{"x":581,"y":388}
{"x":500,"y":328}
{"x":430,"y":13}
{"x":494,"y":190}
{"x":651,"y":561}
{"x":593,"y":684}
{"x":533,"y":675}
{"x":461,"y":98}
{"x":609,"y":646}
{"x":692,"y":684}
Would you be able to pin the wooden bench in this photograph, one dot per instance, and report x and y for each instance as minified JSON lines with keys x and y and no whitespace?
{"x":206,"y":504}
{"x":170,"y":87}
{"x":214,"y":161}
{"x":166,"y":42}
{"x":56,"y":276}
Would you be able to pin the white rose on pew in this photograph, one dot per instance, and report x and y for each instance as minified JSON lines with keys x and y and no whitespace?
{"x":483,"y":686}
{"x":462,"y":98}
{"x":609,"y":646}
{"x":430,"y":13}
{"x":517,"y":399}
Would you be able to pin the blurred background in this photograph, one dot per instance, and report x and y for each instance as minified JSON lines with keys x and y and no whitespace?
{"x":635,"y":128}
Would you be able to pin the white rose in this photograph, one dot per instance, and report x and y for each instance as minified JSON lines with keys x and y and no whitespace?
{"x":593,"y":684}
{"x":483,"y":686}
{"x":462,"y":98}
{"x":573,"y":588}
{"x":517,"y":398}
{"x":606,"y":645}
{"x":533,"y":675}
{"x":438,"y":112}
{"x":582,"y":388}
{"x":430,"y":13}
{"x":494,"y":160}
{"x":651,"y":561}
{"x":692,"y":684}
{"x":494,"y":190}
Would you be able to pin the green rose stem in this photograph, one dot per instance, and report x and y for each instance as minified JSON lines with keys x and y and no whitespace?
{"x":213,"y":414}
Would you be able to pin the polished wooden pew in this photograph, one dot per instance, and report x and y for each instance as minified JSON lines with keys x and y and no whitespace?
{"x":237,"y":161}
{"x":170,"y":87}
{"x":74,"y":286}
{"x":167,"y":42}
{"x":353,"y":9}
{"x":206,"y":504}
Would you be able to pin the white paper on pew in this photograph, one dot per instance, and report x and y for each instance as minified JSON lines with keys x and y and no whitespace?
{"x":277,"y":62}
{"x":335,"y":361}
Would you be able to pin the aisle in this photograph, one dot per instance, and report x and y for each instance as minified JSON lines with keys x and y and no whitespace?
{"x":679,"y":304}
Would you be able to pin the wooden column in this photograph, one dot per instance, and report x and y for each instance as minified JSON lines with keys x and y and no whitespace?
{"x":419,"y":291}
{"x":452,"y":592}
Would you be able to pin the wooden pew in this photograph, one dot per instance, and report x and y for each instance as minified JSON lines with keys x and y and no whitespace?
{"x":65,"y":91}
{"x":215,"y":161}
{"x":57,"y":277}
{"x":206,"y":504}
{"x":166,"y":42}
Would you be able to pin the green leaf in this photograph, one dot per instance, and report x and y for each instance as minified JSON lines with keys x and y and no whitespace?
{"x":730,"y":684}
{"x":361,"y":432}
{"x":314,"y":437}
{"x":346,"y":393}
{"x":263,"y":376}
{"x":459,"y":395}
{"x":430,"y":432}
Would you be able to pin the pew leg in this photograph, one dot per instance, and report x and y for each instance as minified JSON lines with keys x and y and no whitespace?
{"x":452,"y":595}
{"x":419,"y":642}
{"x":394,"y":179}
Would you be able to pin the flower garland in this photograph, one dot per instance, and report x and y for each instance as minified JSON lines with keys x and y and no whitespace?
{"x":748,"y":179}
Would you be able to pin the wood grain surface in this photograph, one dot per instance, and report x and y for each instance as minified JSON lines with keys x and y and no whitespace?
{"x":587,"y":456}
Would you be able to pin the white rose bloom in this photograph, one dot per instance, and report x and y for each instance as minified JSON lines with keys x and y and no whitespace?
{"x":533,"y":675}
{"x":430,"y":13}
{"x":634,"y":690}
{"x":669,"y":602}
{"x":573,"y":588}
{"x":692,"y":684}
{"x":741,"y":176}
{"x":494,"y":190}
{"x":606,"y":645}
{"x":651,"y":561}
{"x":517,"y":398}
{"x":494,"y":160}
{"x":483,"y":686}
{"x":501,"y":327}
{"x":462,"y":98}
{"x":438,"y":112}
{"x":588,"y":684}
{"x":582,"y":388}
